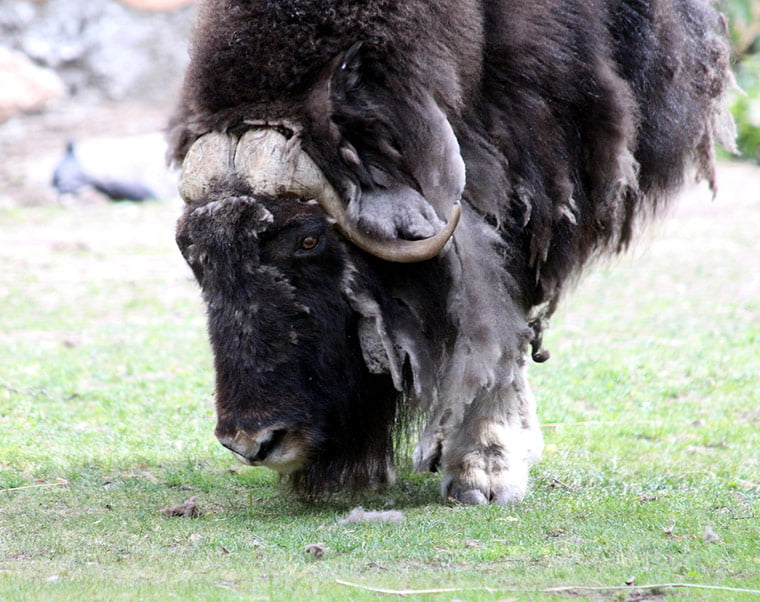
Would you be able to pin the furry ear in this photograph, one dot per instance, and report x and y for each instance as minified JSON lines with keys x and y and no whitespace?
{"x":400,"y":167}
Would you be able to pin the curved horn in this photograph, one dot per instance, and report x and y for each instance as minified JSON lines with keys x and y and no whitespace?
{"x":397,"y":250}
{"x":273,"y":165}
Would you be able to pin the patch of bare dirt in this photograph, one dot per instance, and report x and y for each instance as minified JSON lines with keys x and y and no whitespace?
{"x":635,"y":595}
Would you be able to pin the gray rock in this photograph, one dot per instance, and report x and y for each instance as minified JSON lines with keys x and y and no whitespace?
{"x":102,"y":45}
{"x":24,"y":86}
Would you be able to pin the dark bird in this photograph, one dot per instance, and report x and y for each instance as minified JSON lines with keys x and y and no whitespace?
{"x":122,"y":190}
{"x":69,"y":177}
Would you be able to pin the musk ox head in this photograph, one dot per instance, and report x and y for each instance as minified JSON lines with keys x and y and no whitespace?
{"x":307,"y":378}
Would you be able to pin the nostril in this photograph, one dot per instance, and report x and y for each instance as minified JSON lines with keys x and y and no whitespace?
{"x":267,"y":445}
{"x":228,"y":445}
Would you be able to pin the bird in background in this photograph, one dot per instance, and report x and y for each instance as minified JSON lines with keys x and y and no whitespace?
{"x":69,"y":177}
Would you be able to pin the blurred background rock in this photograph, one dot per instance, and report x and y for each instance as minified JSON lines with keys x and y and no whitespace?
{"x":101,"y":73}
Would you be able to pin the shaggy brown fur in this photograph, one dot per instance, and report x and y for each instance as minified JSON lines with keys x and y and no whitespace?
{"x":574,"y":118}
{"x":547,"y":97}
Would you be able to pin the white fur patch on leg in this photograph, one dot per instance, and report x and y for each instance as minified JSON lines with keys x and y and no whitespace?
{"x":488,"y":455}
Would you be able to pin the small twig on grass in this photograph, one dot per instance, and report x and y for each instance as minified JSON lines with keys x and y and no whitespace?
{"x":61,"y":483}
{"x":558,"y":483}
{"x":28,"y":392}
{"x":599,"y":423}
{"x":747,"y":484}
{"x":653,"y":586}
{"x":418,"y":592}
{"x":548,"y":590}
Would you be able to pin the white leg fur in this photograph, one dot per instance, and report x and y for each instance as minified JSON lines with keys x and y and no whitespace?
{"x":487,"y":456}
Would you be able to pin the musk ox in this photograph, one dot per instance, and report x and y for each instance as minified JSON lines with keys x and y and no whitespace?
{"x":386,"y":198}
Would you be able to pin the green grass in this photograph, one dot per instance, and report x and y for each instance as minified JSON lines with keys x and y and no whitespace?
{"x":651,"y":406}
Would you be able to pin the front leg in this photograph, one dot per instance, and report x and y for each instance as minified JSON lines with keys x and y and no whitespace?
{"x":486,"y":458}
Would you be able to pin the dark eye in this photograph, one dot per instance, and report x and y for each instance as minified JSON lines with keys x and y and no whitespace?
{"x":309,"y":242}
